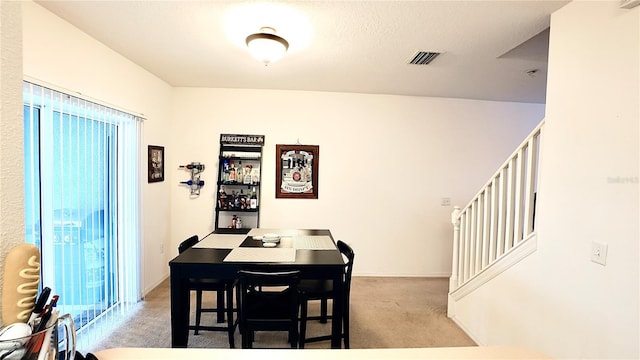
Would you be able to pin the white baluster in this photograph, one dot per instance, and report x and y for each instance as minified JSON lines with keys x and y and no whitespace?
{"x":493,"y":233}
{"x":520,"y":170}
{"x":508,"y":231}
{"x":455,"y":221}
{"x":467,"y":240}
{"x":501,"y":210}
{"x":472,"y":239}
{"x":486,"y":226}
{"x":478,"y":234}
{"x":461,"y":249}
{"x":532,"y":174}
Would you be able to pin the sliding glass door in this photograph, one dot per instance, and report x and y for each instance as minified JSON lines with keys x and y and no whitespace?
{"x":74,"y":209}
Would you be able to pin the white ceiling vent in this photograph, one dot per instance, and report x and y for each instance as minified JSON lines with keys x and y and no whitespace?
{"x":423,"y":57}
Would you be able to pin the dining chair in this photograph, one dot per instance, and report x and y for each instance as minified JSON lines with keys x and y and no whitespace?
{"x":322,"y":290}
{"x":269,"y":301}
{"x":220,"y":287}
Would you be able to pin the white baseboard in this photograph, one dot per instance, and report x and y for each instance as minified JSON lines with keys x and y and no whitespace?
{"x":437,"y":275}
{"x":466,"y":331}
{"x":153,"y":286}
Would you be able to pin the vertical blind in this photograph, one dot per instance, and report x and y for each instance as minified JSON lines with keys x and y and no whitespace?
{"x":82,"y":192}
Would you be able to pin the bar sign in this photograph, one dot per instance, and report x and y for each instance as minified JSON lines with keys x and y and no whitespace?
{"x":234,"y":139}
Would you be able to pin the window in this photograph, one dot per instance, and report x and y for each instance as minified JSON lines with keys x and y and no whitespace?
{"x":82,"y":201}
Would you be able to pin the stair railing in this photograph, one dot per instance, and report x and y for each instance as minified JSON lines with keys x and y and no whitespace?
{"x":500,"y":217}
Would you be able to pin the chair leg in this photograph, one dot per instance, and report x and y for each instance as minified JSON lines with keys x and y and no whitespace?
{"x":220,"y":305}
{"x":345,"y":327}
{"x":293,"y":336}
{"x":245,"y":340}
{"x":303,"y":322}
{"x":229,"y":292}
{"x":323,"y":310}
{"x":238,"y":307}
{"x":198,"y":310}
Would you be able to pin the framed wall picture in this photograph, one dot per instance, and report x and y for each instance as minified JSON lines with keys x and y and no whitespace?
{"x":297,"y":171}
{"x":156,"y":163}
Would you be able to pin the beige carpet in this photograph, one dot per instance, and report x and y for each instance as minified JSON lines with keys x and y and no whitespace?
{"x":386,"y":312}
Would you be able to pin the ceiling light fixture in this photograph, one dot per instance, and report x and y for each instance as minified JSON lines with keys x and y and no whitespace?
{"x":266,"y":46}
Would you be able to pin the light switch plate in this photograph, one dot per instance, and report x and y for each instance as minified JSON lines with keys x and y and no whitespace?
{"x":599,"y":253}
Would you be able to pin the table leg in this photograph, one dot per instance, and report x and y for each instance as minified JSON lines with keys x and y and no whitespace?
{"x":179,"y":310}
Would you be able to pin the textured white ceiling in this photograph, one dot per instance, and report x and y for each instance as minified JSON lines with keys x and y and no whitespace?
{"x":341,"y":46}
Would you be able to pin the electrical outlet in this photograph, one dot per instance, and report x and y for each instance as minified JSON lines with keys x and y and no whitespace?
{"x":445,"y":201}
{"x":599,"y":253}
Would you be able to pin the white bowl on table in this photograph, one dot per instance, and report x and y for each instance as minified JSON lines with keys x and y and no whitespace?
{"x":270,"y":238}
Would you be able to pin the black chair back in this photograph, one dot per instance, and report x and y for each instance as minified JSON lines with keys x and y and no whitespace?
{"x":347,"y":251}
{"x":187,"y":244}
{"x":269,"y":301}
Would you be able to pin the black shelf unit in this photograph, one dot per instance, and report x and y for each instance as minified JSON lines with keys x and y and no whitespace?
{"x":234,"y":192}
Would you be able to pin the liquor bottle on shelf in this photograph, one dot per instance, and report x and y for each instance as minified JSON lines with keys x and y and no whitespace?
{"x":232,"y":172}
{"x":242,"y":200}
{"x":239,"y":172}
{"x":230,"y":198}
{"x":253,"y":202}
{"x":239,"y":223}
{"x":255,"y":175}
{"x":234,"y":222}
{"x":246,"y":179}
{"x":225,"y":170}
{"x":222,"y":198}
{"x":236,"y":200}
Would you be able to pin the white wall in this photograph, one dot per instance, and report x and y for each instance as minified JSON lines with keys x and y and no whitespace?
{"x":372,"y":149}
{"x":385,"y":163}
{"x":57,"y":53}
{"x":12,"y":230}
{"x":557,"y":301}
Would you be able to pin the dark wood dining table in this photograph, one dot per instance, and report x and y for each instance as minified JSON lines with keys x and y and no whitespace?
{"x":202,"y":263}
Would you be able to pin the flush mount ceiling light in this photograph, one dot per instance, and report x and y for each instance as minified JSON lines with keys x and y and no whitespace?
{"x":266,"y":46}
